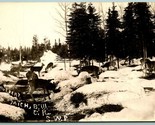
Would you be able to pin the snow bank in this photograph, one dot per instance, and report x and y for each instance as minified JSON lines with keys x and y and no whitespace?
{"x":142,"y":109}
{"x":109,"y":87}
{"x":72,"y":84}
{"x":76,"y":82}
{"x":58,"y":75}
{"x":12,"y":112}
{"x":127,"y":114}
{"x":101,"y":93}
{"x":121,"y":97}
{"x":4,"y":78}
{"x":14,"y":78}
{"x":145,"y":105}
{"x":48,"y":57}
{"x":59,"y":96}
{"x":6,"y":97}
{"x":124,"y":87}
{"x":146,"y":83}
{"x":121,"y":75}
{"x":75,"y":62}
{"x":109,"y":75}
{"x":94,"y":117}
{"x":124,"y":115}
{"x":38,"y":64}
{"x":5,"y":66}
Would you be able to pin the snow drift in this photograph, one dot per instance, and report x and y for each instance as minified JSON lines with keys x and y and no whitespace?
{"x":6,"y":97}
{"x":72,"y":84}
{"x":48,"y":56}
{"x":101,"y":93}
{"x":58,"y":75}
{"x":13,"y":113}
{"x":142,"y":109}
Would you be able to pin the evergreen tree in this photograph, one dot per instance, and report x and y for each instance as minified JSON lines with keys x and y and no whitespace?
{"x":113,"y":34}
{"x":14,"y":54}
{"x":1,"y":55}
{"x":47,"y":44}
{"x":54,"y":47}
{"x":100,"y":47}
{"x":35,"y":48}
{"x":95,"y":34}
{"x":84,"y":34}
{"x":26,"y":54}
{"x":144,"y":28}
{"x":78,"y":32}
{"x":41,"y":50}
{"x":63,"y":52}
{"x":129,"y":33}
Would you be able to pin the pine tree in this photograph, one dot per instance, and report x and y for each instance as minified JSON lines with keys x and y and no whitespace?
{"x":62,"y":52}
{"x":99,"y":53}
{"x":144,"y":28}
{"x":84,"y":36}
{"x":35,"y":48}
{"x":95,"y":34}
{"x":78,"y":31}
{"x":47,"y":44}
{"x":129,"y":33}
{"x":113,"y":33}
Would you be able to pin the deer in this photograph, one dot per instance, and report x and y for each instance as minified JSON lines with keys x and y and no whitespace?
{"x":35,"y":83}
{"x":94,"y":70}
{"x":150,"y":65}
{"x":108,"y":64}
{"x":16,"y":68}
{"x":50,"y":65}
{"x":143,"y":62}
{"x":37,"y":68}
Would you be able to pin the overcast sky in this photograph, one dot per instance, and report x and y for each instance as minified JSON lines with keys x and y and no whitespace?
{"x":20,"y":21}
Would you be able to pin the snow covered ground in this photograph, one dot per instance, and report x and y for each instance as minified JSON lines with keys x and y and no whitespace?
{"x":124,"y":87}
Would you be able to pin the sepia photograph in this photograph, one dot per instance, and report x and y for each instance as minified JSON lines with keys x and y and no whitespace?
{"x":77,"y":62}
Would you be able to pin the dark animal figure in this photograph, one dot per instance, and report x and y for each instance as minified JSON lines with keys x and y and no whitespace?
{"x":31,"y":75}
{"x":22,"y":82}
{"x":16,"y":68}
{"x":93,"y":70}
{"x":43,"y":84}
{"x":36,"y":68}
{"x":2,"y":88}
{"x":144,"y":62}
{"x":150,"y":66}
{"x":35,"y":83}
{"x":50,"y":65}
{"x":109,"y":64}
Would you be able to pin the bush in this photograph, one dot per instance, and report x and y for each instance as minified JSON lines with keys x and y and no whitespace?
{"x":77,"y":98}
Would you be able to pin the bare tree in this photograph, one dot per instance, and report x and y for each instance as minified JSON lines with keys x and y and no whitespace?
{"x":62,"y":21}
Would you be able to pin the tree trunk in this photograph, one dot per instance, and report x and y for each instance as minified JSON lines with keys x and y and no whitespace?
{"x":64,"y":64}
{"x":129,"y":60}
{"x":118,"y":63}
{"x":92,"y":62}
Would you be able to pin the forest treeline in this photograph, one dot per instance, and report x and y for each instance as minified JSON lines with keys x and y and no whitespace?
{"x":130,"y":35}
